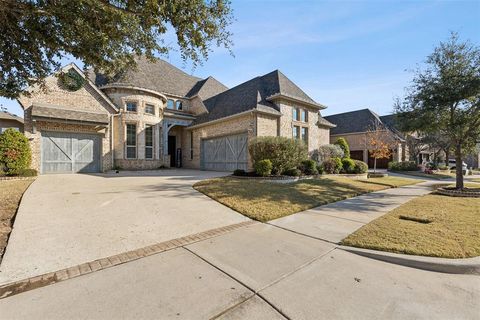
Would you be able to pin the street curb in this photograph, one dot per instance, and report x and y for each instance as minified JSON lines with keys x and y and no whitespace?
{"x":13,"y":288}
{"x":443,"y":265}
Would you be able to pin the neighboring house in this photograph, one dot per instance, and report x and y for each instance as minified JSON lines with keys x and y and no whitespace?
{"x":157,"y":115}
{"x":9,"y":120}
{"x":473,"y":159}
{"x":354,"y":127}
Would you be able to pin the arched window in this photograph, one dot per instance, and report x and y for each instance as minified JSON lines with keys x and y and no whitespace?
{"x":170,"y":104}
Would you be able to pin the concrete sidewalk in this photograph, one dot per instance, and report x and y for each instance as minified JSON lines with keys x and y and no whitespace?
{"x":335,"y":221}
{"x":257,"y":272}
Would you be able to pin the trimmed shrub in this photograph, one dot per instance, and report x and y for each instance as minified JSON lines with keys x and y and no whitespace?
{"x":342,"y":143}
{"x":320,"y":168}
{"x":284,"y":153}
{"x":402,"y":166}
{"x":327,"y":152}
{"x":360,"y":166}
{"x":15,"y":152}
{"x":293,"y":172}
{"x":239,"y":172}
{"x":263,"y":167}
{"x":348,"y":165}
{"x":309,"y":167}
{"x":333,"y":165}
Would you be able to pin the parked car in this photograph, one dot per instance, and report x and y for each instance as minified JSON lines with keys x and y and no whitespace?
{"x":452,"y":164}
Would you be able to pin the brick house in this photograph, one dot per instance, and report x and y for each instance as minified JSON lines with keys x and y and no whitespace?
{"x":9,"y":120}
{"x":157,"y":115}
{"x":354,"y":127}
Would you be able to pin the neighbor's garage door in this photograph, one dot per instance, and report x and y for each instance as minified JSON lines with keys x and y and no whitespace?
{"x":64,"y":152}
{"x":225,"y":153}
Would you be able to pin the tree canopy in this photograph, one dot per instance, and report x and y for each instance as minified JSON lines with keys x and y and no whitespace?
{"x":105,"y":34}
{"x":444,"y":97}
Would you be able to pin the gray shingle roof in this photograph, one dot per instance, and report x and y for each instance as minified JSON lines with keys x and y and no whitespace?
{"x":10,"y":116}
{"x":362,"y":121}
{"x":353,"y":121}
{"x":60,"y":113}
{"x":252,"y":94}
{"x":207,"y":88}
{"x":162,"y":77}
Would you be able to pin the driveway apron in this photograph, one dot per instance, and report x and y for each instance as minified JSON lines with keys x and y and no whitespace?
{"x":66,"y":220}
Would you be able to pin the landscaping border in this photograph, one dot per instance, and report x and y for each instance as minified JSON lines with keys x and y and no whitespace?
{"x":443,"y":265}
{"x":457,"y":193}
{"x":13,"y":288}
{"x":17,"y":178}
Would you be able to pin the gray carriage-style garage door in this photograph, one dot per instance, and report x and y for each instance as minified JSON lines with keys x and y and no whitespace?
{"x":65,"y":152}
{"x":225,"y":153}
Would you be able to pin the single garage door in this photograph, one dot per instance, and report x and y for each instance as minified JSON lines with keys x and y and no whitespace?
{"x":225,"y":153}
{"x":65,"y":152}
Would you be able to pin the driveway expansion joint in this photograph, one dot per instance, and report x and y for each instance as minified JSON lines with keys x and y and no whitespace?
{"x":13,"y":288}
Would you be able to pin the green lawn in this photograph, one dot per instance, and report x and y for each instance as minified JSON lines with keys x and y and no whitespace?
{"x":266,"y":201}
{"x":435,"y":176}
{"x":432,"y":225}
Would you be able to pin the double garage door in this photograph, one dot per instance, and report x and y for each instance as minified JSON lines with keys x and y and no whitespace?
{"x":65,"y":152}
{"x":225,"y":153}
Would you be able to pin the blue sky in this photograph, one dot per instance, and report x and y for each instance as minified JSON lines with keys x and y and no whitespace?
{"x":344,"y":54}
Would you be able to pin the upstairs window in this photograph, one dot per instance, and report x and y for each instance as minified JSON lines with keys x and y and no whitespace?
{"x":178,"y":105}
{"x":170,"y":104}
{"x":131,"y":106}
{"x":304,"y":115}
{"x":150,"y":109}
{"x":296,"y":114}
{"x":131,"y":143}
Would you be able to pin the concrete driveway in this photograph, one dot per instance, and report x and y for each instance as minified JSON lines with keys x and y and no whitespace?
{"x":65,"y":220}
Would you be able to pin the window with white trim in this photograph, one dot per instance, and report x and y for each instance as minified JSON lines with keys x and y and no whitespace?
{"x":131,"y":141}
{"x":148,"y":142}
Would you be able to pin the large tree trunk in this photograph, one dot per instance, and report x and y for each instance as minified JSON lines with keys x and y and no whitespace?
{"x":458,"y":164}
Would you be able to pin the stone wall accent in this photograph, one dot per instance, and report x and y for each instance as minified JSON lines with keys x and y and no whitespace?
{"x":228,"y":126}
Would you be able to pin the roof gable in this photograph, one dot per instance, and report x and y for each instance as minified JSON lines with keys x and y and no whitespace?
{"x":252,"y":94}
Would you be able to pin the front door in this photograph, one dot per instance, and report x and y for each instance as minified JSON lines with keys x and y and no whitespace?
{"x":172,"y":147}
